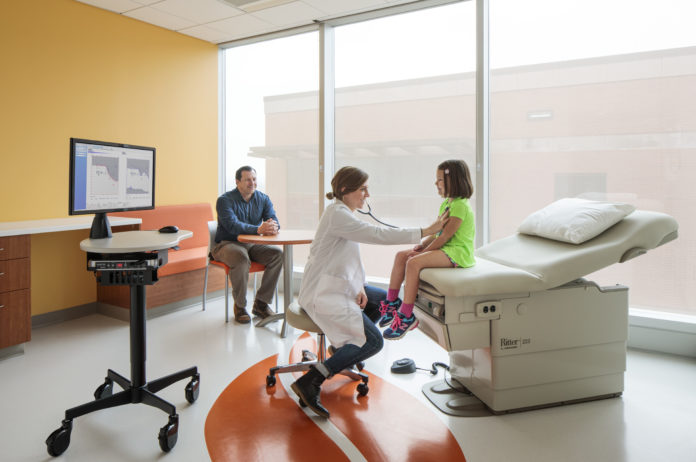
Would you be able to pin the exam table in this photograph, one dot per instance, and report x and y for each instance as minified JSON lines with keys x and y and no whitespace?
{"x":524,"y":329}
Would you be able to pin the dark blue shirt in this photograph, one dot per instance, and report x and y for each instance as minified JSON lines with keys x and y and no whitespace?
{"x":236,"y":216}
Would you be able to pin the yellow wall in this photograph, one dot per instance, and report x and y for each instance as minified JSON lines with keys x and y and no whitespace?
{"x":73,"y":70}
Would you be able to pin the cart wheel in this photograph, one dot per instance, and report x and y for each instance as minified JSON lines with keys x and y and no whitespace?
{"x":169,"y":433}
{"x":192,"y":388}
{"x":104,"y":390}
{"x":58,"y":441}
{"x":270,"y":380}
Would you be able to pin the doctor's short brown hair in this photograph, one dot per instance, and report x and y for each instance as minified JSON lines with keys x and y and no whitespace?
{"x":457,"y":178}
{"x":345,"y":181}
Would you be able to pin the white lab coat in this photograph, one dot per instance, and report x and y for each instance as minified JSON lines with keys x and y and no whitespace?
{"x":334,"y":274}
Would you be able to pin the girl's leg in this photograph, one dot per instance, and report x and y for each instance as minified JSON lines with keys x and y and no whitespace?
{"x":432,"y":259}
{"x":404,"y":320}
{"x":398,"y":270}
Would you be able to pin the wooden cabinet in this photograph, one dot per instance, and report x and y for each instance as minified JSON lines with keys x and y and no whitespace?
{"x":15,"y":282}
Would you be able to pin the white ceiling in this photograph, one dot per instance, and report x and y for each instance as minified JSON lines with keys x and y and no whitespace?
{"x":220,"y":21}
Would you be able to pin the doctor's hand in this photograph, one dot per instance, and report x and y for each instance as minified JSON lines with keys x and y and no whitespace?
{"x":361,"y":299}
{"x":268,"y":227}
{"x":437,"y":225}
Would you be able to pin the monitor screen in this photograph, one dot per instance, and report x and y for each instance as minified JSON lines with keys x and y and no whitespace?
{"x":110,"y":177}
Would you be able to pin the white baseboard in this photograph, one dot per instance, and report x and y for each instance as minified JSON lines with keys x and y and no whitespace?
{"x":662,"y":332}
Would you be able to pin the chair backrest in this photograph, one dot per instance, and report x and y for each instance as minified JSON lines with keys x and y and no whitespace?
{"x":186,"y":216}
{"x":212,"y":229}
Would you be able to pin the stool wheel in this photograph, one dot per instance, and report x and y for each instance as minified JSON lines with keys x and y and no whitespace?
{"x":363,"y":389}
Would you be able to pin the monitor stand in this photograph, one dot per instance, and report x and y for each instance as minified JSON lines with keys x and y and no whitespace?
{"x":101,"y":228}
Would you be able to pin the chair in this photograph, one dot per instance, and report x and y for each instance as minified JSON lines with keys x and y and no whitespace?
{"x":298,"y":318}
{"x":254,"y":268}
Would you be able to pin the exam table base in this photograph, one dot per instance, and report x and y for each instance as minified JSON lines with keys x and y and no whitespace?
{"x":461,"y":402}
{"x":135,"y":391}
{"x":539,"y":349}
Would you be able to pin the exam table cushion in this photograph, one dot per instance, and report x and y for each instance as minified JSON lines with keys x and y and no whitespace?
{"x":574,"y":220}
{"x":524,"y":263}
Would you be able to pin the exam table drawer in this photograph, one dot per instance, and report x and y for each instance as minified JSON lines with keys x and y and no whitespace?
{"x":466,"y":335}
{"x":432,"y":327}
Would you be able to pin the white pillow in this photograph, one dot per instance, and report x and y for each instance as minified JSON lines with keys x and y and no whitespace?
{"x":574,"y":220}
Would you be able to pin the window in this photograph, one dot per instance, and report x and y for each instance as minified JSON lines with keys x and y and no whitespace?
{"x":404,"y":103}
{"x":271,"y":124}
{"x":587,"y":101}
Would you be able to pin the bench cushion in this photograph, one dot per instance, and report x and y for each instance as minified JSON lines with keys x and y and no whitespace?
{"x":192,"y":217}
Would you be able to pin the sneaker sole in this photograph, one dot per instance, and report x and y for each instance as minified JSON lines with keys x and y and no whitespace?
{"x":299,"y":393}
{"x":411,"y":327}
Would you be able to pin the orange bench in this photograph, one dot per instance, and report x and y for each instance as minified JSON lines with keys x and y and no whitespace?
{"x":192,"y":217}
{"x":182,"y":277}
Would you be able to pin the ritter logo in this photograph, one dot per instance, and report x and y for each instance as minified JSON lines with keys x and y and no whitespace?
{"x":512,"y":343}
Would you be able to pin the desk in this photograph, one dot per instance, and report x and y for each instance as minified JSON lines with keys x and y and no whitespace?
{"x":287,"y":238}
{"x":131,"y":258}
{"x":15,"y":273}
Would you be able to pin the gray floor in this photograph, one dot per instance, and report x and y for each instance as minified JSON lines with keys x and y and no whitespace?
{"x":653,"y":421}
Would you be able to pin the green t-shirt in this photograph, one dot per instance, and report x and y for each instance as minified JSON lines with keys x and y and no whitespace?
{"x":460,"y":247}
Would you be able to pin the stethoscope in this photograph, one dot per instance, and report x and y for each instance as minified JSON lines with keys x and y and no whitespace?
{"x":369,"y":212}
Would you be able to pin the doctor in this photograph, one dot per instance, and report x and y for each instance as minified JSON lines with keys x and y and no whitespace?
{"x":332,"y":291}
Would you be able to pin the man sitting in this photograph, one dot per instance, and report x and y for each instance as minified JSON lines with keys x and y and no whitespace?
{"x":244,"y":210}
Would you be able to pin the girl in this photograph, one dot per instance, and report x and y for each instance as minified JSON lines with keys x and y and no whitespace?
{"x":451,"y":248}
{"x":332,"y":291}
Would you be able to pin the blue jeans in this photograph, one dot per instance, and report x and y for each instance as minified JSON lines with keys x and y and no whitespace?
{"x":374,"y":296}
{"x":350,"y":354}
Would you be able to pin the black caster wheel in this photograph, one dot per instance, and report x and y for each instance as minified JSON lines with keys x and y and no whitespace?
{"x":360,"y":366}
{"x":104,"y":390}
{"x":192,"y":388}
{"x":363,"y":389}
{"x":58,"y":441}
{"x":270,"y":380}
{"x":169,"y":433}
{"x":302,"y":403}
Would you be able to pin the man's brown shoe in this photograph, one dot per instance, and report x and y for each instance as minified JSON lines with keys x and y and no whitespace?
{"x":261,"y":309}
{"x":241,"y":315}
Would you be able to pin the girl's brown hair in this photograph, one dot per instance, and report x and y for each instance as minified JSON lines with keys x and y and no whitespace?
{"x":457,"y":178}
{"x":345,"y":181}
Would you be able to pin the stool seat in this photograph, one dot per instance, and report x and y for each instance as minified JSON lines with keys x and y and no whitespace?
{"x":297,"y":317}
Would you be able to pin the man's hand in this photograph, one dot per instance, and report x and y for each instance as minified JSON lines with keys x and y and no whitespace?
{"x":361,"y":299}
{"x":268,"y":227}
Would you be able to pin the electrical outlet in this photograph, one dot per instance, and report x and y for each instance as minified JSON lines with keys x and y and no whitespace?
{"x":489,"y":309}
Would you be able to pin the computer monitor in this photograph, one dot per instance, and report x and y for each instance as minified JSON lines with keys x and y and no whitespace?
{"x":109,"y":177}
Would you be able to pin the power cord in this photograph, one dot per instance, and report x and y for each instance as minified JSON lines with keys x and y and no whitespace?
{"x":407,"y":366}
